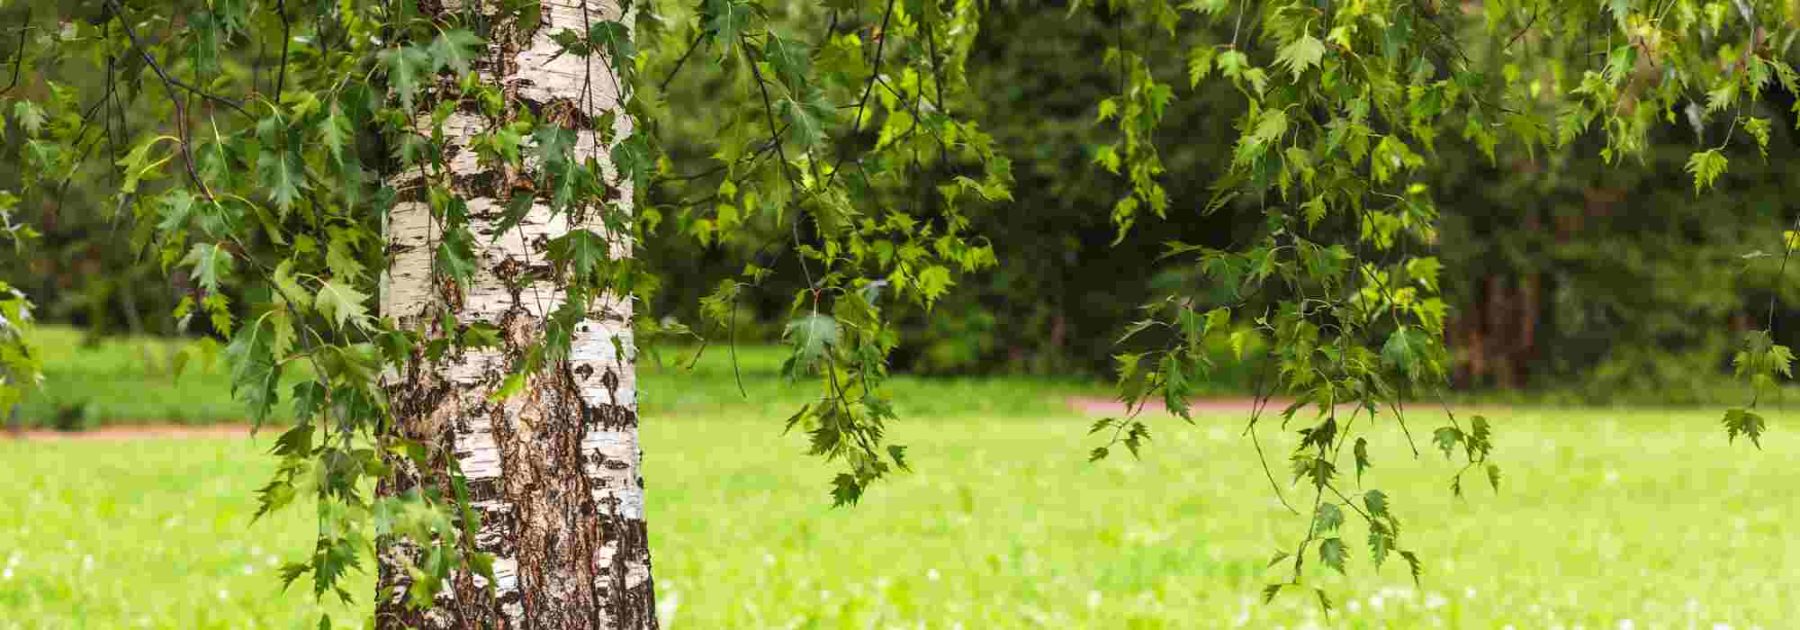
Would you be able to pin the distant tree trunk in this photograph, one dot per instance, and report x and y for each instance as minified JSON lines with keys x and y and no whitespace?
{"x":553,"y":471}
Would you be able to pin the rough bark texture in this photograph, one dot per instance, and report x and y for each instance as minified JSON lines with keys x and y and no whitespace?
{"x":553,"y":471}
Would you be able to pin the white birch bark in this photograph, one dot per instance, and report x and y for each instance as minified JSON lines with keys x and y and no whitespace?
{"x":553,"y":471}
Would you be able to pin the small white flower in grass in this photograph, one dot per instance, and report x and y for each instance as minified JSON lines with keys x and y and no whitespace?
{"x":1376,"y":601}
{"x":1721,"y":626}
{"x":6,"y":574}
{"x":932,"y":575}
{"x":1626,"y":624}
{"x":1093,"y":600}
{"x":1469,"y":592}
{"x":87,"y":562}
{"x":249,"y":569}
{"x":768,"y":559}
{"x":1434,"y":601}
{"x":666,"y":606}
{"x":224,"y":594}
{"x":1353,"y":607}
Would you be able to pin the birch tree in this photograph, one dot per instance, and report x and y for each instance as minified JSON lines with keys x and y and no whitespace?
{"x":549,"y":459}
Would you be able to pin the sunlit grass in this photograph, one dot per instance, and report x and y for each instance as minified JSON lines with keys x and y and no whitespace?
{"x":1603,"y":516}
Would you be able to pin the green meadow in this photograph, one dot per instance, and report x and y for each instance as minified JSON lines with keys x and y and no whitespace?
{"x":1604,"y":518}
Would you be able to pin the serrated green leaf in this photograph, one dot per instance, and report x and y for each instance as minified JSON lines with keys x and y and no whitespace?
{"x":725,"y":20}
{"x":1361,"y":452}
{"x":615,"y":39}
{"x":342,"y":304}
{"x":1301,"y":54}
{"x":210,"y":263}
{"x":407,"y":68}
{"x":1403,"y":350}
{"x":1447,"y":438}
{"x":282,"y":175}
{"x":1376,"y":502}
{"x":1706,"y":166}
{"x":811,"y":336}
{"x":454,"y":49}
{"x":1740,"y":421}
{"x":1412,"y":563}
{"x":581,"y":251}
{"x":1328,"y":517}
{"x":1332,"y":553}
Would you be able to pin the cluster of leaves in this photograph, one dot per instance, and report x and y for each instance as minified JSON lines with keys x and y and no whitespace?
{"x":20,"y":370}
{"x":843,"y":144}
{"x":1343,"y":105}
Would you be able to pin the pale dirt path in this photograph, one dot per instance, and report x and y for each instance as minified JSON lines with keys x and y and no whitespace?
{"x":1086,"y":405}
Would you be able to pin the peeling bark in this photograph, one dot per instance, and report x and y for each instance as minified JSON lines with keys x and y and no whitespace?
{"x":553,"y":471}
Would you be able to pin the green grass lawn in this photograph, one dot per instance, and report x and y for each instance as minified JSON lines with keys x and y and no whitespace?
{"x":1604,"y":516}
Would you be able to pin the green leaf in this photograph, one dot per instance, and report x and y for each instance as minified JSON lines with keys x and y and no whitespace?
{"x":845,"y":490}
{"x":789,"y":58}
{"x":138,"y":166}
{"x":1377,"y":503}
{"x":571,"y":42}
{"x":211,"y":264}
{"x":335,"y":132}
{"x":342,"y":304}
{"x":1493,"y":475}
{"x":1327,"y":518}
{"x":406,"y":68}
{"x":631,"y":157}
{"x":1301,"y":54}
{"x":454,"y":49}
{"x":1277,"y":558}
{"x":29,"y":116}
{"x":1706,"y":166}
{"x":253,"y":373}
{"x":1403,"y":350}
{"x":582,"y":250}
{"x":1332,"y":553}
{"x":1447,"y":438}
{"x":340,"y":254}
{"x":1740,"y":421}
{"x":282,"y":173}
{"x":1200,"y":64}
{"x":1412,"y":562}
{"x":456,"y":255}
{"x":811,"y":335}
{"x":805,"y":127}
{"x":1361,"y":451}
{"x":725,"y":20}
{"x":1381,"y":542}
{"x":615,"y":39}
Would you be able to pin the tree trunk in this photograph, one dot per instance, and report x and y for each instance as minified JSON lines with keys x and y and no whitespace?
{"x":553,"y":471}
